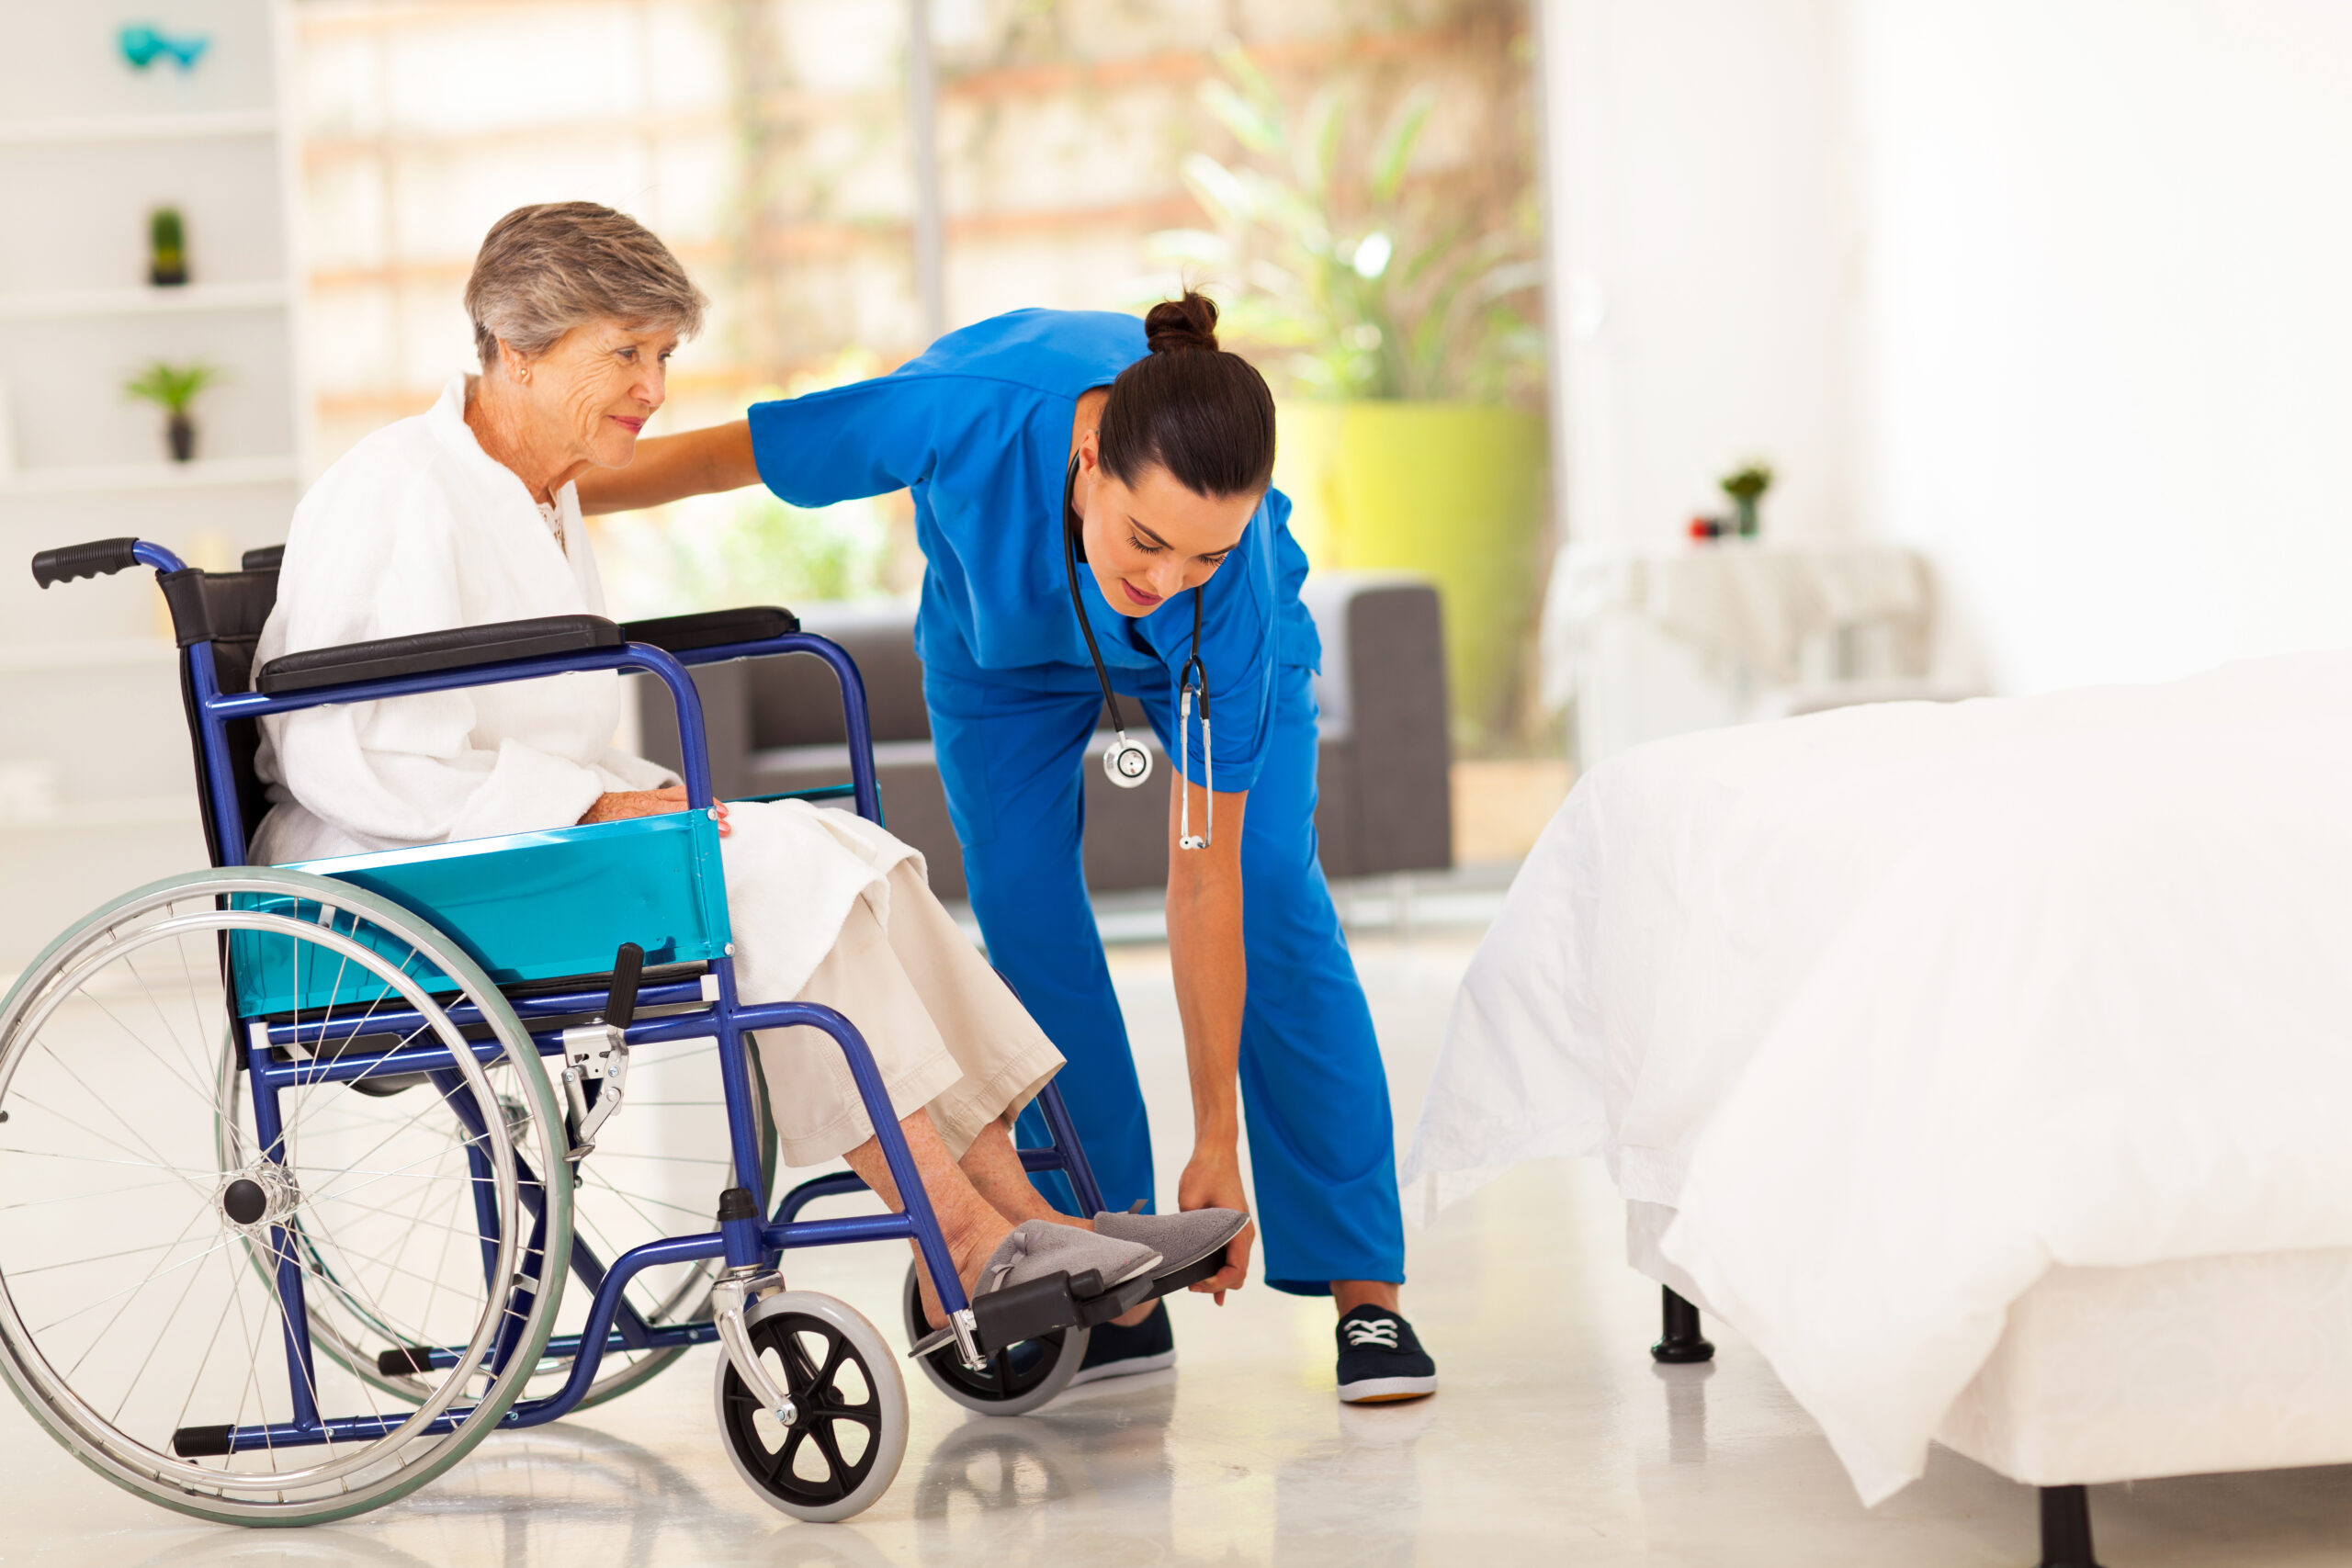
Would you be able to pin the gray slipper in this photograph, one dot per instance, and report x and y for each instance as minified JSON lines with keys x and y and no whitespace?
{"x":1039,"y":1247}
{"x":1182,"y":1239}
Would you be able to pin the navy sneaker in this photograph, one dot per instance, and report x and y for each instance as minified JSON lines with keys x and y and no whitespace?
{"x":1380,"y":1360}
{"x":1115,"y":1352}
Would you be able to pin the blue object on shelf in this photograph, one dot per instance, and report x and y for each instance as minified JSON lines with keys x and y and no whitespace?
{"x":143,"y":44}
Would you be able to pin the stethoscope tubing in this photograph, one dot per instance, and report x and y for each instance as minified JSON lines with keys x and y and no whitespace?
{"x":1126,"y":763}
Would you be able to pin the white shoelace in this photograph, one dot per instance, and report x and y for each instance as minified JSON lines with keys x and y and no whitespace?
{"x":1381,"y":1331}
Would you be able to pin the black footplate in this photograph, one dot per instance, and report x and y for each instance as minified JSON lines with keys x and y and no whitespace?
{"x":1190,"y":1274}
{"x":1058,"y":1301}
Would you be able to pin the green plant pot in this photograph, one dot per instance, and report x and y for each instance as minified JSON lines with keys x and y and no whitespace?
{"x":1453,"y":491}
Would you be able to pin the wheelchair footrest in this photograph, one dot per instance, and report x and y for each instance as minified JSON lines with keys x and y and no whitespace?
{"x":202,"y":1442}
{"x":1058,"y":1301}
{"x":1190,"y":1274}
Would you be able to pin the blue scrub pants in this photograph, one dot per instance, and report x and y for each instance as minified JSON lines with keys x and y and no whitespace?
{"x":1314,"y":1094}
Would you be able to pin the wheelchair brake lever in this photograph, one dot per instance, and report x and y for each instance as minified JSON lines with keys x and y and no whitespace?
{"x":595,"y":1057}
{"x":620,"y":1001}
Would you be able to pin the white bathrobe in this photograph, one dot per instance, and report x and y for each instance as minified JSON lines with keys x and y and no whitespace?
{"x":417,"y":529}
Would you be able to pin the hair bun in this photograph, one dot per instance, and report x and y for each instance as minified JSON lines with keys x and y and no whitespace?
{"x":1173,"y":326}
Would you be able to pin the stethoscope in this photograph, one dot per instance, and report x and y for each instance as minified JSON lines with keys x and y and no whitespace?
{"x":1126,"y":763}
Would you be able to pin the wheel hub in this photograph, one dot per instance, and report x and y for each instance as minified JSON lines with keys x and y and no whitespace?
{"x":259,"y":1196}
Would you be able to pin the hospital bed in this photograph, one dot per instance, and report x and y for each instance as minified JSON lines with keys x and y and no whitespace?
{"x":1983,"y":1065}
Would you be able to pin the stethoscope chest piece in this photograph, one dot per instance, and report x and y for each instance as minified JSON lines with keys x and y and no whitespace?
{"x":1126,"y":763}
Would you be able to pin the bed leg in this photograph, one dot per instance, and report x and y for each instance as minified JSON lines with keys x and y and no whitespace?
{"x":1682,"y":1341}
{"x":2066,"y":1528}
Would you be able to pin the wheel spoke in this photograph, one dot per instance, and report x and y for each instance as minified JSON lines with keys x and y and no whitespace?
{"x":822,"y":1432}
{"x":780,"y":1469}
{"x":151,"y":1045}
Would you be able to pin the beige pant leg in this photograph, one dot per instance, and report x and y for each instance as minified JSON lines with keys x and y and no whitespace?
{"x":812,"y":1094}
{"x":1003,"y":1056}
{"x":946,"y":1034}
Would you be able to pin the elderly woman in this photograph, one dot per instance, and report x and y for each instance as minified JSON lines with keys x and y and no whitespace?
{"x":466,"y":514}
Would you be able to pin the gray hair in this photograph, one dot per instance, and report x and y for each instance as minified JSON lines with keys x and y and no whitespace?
{"x":544,"y":270}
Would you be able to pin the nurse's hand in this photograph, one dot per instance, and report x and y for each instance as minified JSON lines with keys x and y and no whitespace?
{"x":615,"y":805}
{"x":1212,"y":1179}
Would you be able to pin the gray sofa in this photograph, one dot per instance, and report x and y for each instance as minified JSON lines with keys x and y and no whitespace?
{"x":1385,"y":805}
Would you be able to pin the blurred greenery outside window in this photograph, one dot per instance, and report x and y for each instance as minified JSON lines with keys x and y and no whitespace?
{"x":1356,"y":190}
{"x":1399,"y":320}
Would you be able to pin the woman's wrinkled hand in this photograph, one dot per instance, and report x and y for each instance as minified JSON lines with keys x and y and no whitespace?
{"x":615,"y":806}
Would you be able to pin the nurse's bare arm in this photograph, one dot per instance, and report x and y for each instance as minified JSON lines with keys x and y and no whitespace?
{"x":671,"y":467}
{"x":1212,"y":982}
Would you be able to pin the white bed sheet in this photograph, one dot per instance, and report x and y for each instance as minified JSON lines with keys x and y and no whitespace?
{"x":1899,"y":1007}
{"x":2186,"y":1368}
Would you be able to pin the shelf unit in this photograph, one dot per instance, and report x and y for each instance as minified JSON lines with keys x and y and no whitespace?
{"x":116,"y":477}
{"x":99,"y":129}
{"x":92,"y":664}
{"x":108,"y":312}
{"x":69,"y":304}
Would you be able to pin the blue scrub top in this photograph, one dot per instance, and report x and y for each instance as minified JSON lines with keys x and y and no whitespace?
{"x":979,"y":429}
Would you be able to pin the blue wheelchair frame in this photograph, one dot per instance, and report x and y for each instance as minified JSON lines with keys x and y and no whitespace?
{"x":746,"y":1243}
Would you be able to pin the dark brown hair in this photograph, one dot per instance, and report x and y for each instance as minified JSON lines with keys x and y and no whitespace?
{"x":1190,"y":407}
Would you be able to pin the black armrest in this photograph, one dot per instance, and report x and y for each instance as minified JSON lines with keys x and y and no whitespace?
{"x":461,"y":648}
{"x":713,"y":628}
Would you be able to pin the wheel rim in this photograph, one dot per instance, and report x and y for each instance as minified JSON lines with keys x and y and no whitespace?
{"x":131,"y":1304}
{"x":1012,"y":1372}
{"x":808,"y":1465}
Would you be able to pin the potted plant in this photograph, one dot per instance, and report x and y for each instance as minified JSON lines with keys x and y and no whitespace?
{"x":1745,"y":485}
{"x":1405,"y":354}
{"x":172,"y":387}
{"x":166,"y":248}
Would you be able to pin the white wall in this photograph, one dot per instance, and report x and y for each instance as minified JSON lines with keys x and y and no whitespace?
{"x":1704,"y":253}
{"x":2110,"y":317}
{"x":2059,"y":292}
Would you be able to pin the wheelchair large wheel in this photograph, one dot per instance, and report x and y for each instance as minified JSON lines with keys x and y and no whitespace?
{"x":657,"y":1171}
{"x":1020,"y":1378}
{"x":187,"y":1323}
{"x":845,"y":1447}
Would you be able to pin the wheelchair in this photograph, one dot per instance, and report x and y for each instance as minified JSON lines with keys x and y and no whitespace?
{"x":311,"y":1176}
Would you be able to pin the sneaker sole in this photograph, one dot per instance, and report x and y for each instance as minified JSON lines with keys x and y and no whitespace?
{"x":1385,"y":1391}
{"x":1132,"y":1366}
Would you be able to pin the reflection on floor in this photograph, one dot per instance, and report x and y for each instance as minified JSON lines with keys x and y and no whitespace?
{"x":1554,"y":1438}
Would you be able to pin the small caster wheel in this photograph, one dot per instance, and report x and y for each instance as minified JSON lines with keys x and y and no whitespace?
{"x":851,"y":1436}
{"x":1020,"y":1377}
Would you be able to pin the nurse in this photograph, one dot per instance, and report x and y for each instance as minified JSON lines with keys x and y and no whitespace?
{"x":1089,"y":487}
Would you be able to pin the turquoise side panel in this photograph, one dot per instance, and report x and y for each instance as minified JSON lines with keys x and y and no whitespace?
{"x":525,"y":906}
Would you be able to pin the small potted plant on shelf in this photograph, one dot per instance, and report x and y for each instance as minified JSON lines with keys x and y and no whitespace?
{"x":1745,"y":485}
{"x":172,"y":388}
{"x":166,"y":248}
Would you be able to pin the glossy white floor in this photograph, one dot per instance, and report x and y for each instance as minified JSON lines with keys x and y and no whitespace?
{"x":1554,"y":1438}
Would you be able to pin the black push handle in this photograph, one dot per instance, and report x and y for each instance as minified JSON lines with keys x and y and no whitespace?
{"x":99,"y":557}
{"x":620,"y":1002}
